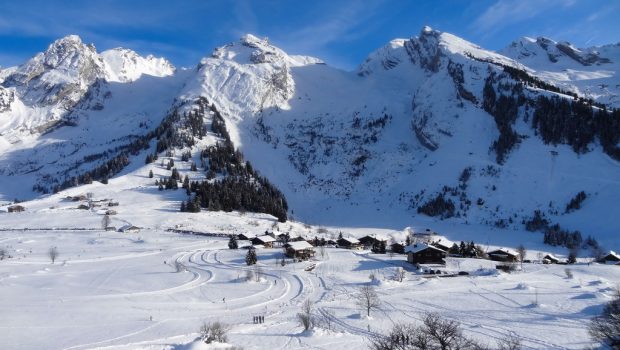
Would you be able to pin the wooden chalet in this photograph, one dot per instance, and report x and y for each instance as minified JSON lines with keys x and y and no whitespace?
{"x":264,"y":240}
{"x":129,"y":229}
{"x":503,"y":254}
{"x":612,"y":258}
{"x":299,"y":250}
{"x":369,"y":241}
{"x":550,"y":259}
{"x":243,"y":237}
{"x":422,"y":253}
{"x":349,"y":243}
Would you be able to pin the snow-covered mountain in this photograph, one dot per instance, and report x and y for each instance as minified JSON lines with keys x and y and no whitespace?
{"x":432,"y":125}
{"x":50,"y":85}
{"x":124,"y":65}
{"x":590,"y":72}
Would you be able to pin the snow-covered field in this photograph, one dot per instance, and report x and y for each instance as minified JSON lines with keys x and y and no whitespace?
{"x":104,"y":288}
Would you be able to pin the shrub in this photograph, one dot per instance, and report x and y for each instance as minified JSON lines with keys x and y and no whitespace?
{"x":214,"y":332}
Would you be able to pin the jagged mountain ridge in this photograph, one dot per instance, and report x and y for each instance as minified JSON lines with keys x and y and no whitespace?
{"x":375,"y":145}
{"x":52,"y":83}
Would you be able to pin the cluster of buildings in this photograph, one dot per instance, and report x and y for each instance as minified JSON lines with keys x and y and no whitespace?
{"x":425,"y":250}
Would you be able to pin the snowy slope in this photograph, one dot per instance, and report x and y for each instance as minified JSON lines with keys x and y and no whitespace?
{"x":367,"y":147}
{"x":124,"y":65}
{"x":371,"y":147}
{"x":591,"y":72}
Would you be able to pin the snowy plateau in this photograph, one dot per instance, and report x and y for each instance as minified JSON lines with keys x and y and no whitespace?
{"x":519,"y":147}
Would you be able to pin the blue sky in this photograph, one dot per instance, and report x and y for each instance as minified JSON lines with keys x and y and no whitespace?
{"x":340,"y":32}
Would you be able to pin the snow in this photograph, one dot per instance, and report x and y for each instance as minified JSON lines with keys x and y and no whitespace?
{"x":295,"y":120}
{"x":124,"y":65}
{"x":414,"y":248}
{"x":299,"y":245}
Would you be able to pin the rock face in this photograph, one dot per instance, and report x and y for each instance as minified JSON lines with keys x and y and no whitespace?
{"x":60,"y":75}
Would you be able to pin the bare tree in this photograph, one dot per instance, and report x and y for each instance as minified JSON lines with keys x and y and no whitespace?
{"x":368,"y":299}
{"x":522,"y":251}
{"x":305,"y":316}
{"x":53,"y":254}
{"x":2,"y":253}
{"x":105,"y":221}
{"x":249,"y":275}
{"x":605,"y":328}
{"x":216,"y":331}
{"x":322,"y":252}
{"x":178,"y":266}
{"x":511,"y":342}
{"x":400,"y":274}
{"x":435,"y":332}
{"x":258,"y":274}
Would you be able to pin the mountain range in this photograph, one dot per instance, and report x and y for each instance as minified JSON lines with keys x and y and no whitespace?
{"x":427,"y":128}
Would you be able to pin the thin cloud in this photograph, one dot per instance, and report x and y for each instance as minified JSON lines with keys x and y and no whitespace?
{"x":342,"y":24}
{"x":507,"y":12}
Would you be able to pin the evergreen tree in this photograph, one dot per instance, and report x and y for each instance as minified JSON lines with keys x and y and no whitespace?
{"x":183,"y":207}
{"x":250,"y":257}
{"x":150,"y":174}
{"x":232,"y":242}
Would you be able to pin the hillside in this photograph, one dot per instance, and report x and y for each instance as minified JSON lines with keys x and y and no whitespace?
{"x":431,"y":126}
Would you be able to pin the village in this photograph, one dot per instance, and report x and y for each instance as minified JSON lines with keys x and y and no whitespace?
{"x":426,"y":251}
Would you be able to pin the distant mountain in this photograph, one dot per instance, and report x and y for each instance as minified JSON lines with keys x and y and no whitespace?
{"x":430,"y":126}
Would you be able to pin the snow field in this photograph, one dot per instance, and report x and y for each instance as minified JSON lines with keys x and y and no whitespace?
{"x":105,"y":286}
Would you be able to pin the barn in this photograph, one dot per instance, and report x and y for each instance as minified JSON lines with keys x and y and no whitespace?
{"x":264,"y":240}
{"x":349,"y":243}
{"x":612,"y":258}
{"x":422,"y":253}
{"x":299,"y":250}
{"x":504,"y":254}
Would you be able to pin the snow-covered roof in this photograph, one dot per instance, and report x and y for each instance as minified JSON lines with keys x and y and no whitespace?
{"x":378,"y":237}
{"x":552,"y":257}
{"x":444,"y":242}
{"x":418,"y":247}
{"x":266,"y":238}
{"x":613,"y":254}
{"x":504,"y":251}
{"x":300,"y":245}
{"x":351,"y":240}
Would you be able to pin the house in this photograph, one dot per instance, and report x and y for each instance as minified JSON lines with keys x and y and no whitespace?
{"x":129,"y":229}
{"x":369,"y":241}
{"x":612,"y":258}
{"x":422,"y":253}
{"x":348,"y":243}
{"x":299,"y":250}
{"x":264,"y":240}
{"x":243,"y":237}
{"x":297,"y":239}
{"x":550,"y":259}
{"x":16,"y":209}
{"x":503,"y":254}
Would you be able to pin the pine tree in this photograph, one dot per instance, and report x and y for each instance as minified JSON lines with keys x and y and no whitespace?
{"x":250,"y":257}
{"x":232,"y":243}
{"x":183,"y":207}
{"x":150,"y":174}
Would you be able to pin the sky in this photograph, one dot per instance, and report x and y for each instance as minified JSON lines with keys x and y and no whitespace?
{"x":342,"y":33}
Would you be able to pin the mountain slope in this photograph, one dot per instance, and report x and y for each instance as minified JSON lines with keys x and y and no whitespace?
{"x":431,"y":127}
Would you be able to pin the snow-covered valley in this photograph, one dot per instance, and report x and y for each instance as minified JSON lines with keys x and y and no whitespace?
{"x":509,"y":148}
